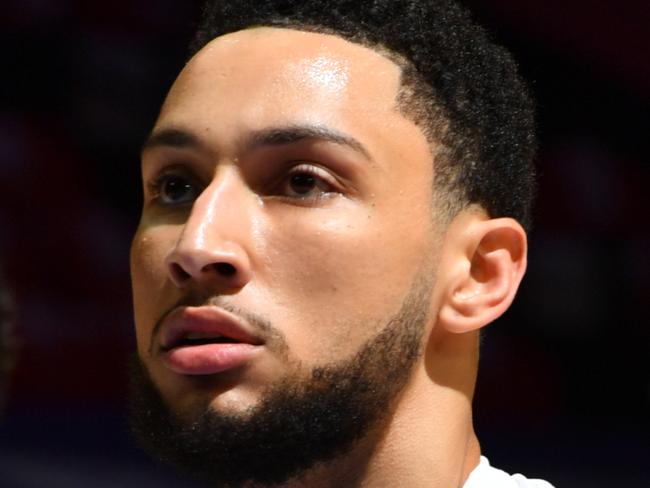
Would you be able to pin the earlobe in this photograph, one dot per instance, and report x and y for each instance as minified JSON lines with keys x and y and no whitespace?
{"x":488,"y":261}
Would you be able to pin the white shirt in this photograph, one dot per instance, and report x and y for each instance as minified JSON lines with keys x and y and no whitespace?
{"x":485,"y":476}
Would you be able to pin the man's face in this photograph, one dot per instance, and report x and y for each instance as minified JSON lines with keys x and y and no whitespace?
{"x":288,"y":204}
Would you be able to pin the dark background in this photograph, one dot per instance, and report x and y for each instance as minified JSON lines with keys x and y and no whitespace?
{"x":564,"y":387}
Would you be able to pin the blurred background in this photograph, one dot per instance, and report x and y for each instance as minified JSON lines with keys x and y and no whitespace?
{"x":564,"y":385}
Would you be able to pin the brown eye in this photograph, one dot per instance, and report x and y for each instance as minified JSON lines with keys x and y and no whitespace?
{"x":175,"y":190}
{"x":302,"y":183}
{"x":308,"y":182}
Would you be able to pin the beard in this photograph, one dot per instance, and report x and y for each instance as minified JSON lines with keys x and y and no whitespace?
{"x":301,"y":420}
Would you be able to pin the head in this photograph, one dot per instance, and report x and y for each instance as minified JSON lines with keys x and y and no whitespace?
{"x":335,"y":190}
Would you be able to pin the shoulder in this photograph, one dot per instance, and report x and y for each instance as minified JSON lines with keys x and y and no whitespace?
{"x":486,"y":476}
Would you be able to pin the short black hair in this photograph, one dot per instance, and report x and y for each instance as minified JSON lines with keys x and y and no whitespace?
{"x":461,"y":88}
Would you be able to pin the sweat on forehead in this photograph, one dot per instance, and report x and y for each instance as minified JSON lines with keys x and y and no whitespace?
{"x":267,"y":77}
{"x":304,"y":59}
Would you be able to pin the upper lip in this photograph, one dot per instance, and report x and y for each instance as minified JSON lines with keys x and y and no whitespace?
{"x":204,"y":320}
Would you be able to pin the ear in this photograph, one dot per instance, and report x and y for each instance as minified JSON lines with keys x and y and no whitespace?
{"x":483,"y":263}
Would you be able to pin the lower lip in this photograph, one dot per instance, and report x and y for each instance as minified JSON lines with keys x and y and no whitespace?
{"x":208,"y":359}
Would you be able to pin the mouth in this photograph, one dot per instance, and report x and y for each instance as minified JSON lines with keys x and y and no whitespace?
{"x":199,"y":339}
{"x":205,"y":341}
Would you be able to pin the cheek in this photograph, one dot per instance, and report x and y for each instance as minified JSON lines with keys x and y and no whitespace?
{"x":339,"y":278}
{"x":149,"y":279}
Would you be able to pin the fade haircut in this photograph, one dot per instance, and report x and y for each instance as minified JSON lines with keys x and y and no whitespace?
{"x":458,"y":86}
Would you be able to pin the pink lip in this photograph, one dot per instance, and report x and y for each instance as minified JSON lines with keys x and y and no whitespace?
{"x":205,"y":359}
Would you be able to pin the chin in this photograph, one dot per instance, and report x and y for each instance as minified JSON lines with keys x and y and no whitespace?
{"x":189,"y":397}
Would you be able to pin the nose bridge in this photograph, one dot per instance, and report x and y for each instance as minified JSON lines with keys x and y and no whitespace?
{"x":219,"y":215}
{"x":214,"y":242}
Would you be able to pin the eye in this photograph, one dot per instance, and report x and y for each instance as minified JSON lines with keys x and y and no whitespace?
{"x":173,"y":189}
{"x":306,"y":181}
{"x":302,"y":183}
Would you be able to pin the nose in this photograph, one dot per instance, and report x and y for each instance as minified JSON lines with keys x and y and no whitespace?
{"x":211,"y":251}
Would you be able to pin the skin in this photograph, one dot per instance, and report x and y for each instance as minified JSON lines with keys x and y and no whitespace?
{"x":346,"y":252}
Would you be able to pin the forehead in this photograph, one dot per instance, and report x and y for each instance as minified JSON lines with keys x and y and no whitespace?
{"x":280,"y":75}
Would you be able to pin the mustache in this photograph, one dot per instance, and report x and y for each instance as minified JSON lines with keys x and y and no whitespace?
{"x":259,"y":325}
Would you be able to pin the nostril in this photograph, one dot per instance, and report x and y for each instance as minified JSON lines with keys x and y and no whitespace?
{"x":179,"y":273}
{"x":225,"y":269}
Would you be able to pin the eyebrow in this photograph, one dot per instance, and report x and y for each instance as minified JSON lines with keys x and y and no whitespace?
{"x":171,"y":137}
{"x":297,"y":133}
{"x":274,"y":136}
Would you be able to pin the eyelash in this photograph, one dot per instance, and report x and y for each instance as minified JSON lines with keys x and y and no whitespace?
{"x":320,"y":174}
